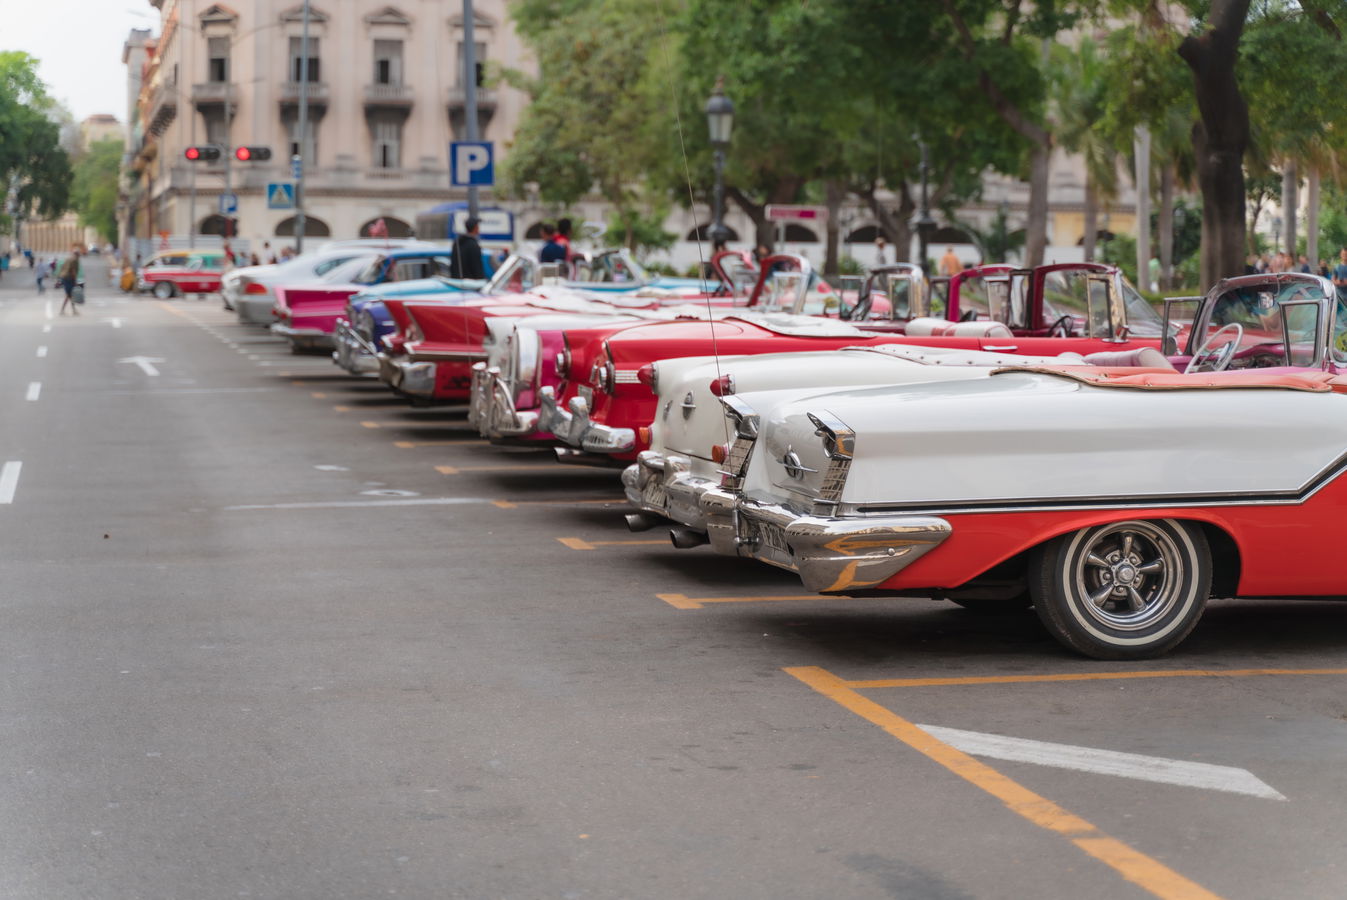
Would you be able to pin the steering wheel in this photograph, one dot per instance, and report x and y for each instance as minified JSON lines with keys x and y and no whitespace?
{"x":970,"y":316}
{"x":1211,"y":358}
{"x":1062,"y":327}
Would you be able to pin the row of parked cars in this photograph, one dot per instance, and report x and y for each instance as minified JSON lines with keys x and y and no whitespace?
{"x":1004,"y":438}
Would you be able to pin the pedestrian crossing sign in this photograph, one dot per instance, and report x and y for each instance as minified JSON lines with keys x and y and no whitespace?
{"x":280,"y":195}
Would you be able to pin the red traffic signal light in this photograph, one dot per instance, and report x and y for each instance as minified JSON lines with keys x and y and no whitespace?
{"x":252,"y":154}
{"x":201,"y":154}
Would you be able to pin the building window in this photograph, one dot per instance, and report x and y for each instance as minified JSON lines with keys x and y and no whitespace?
{"x":217,"y":52}
{"x":388,"y":62}
{"x":297,"y":59}
{"x":481,"y":63}
{"x":387,"y":144}
{"x":216,"y":133}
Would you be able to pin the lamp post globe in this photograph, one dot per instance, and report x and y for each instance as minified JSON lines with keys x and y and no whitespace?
{"x":720,"y":124}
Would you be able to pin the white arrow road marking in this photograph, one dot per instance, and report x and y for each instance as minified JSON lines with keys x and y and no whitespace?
{"x":34,"y":389}
{"x":42,"y":351}
{"x":9,"y":481}
{"x":1106,"y":762}
{"x":146,"y":363}
{"x":49,"y":312}
{"x":332,"y":468}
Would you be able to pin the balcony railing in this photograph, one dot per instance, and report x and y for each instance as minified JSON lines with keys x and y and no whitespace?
{"x":398,"y":95}
{"x":211,"y":93}
{"x":163,"y":106}
{"x":486,"y":98}
{"x":317,"y":90}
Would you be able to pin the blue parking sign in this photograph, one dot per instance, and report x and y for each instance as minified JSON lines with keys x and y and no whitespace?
{"x":471,"y":164}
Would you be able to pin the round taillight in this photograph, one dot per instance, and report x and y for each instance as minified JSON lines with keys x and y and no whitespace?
{"x":254,"y":287}
{"x":643,"y":435}
{"x":720,"y":453}
{"x":723,"y":385}
{"x":647,"y":376}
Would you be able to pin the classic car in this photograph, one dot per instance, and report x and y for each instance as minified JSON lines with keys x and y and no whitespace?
{"x":177,"y":272}
{"x":691,"y":438}
{"x":248,"y":290}
{"x":608,"y":414}
{"x":1116,"y":500}
{"x":361,"y":329}
{"x":451,"y":338}
{"x":307,"y":314}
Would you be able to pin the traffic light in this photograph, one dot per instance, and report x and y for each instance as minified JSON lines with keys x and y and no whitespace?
{"x":207,"y":153}
{"x":252,"y":154}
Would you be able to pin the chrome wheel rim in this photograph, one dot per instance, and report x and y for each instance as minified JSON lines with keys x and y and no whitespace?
{"x":1128,"y":576}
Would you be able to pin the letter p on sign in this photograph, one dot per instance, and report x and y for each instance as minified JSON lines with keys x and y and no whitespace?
{"x":470,"y":164}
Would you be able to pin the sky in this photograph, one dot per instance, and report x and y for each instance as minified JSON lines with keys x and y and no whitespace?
{"x":79,"y":45}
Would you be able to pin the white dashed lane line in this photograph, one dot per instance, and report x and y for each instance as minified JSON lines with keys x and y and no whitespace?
{"x":34,"y":391}
{"x":9,"y":481}
{"x":42,"y":351}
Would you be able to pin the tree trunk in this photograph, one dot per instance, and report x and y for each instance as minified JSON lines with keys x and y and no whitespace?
{"x":1142,"y":177}
{"x":1036,"y":228}
{"x":1220,"y":138}
{"x":1091,"y":219}
{"x":1164,"y":226}
{"x":835,"y":193}
{"x":1290,"y":205}
{"x":764,"y":232}
{"x":1312,"y":218}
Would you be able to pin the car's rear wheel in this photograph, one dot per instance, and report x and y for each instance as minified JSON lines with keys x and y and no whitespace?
{"x":163,"y":290}
{"x":1125,"y":590}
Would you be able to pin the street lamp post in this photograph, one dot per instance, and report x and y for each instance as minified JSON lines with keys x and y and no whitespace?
{"x":720,"y":122}
{"x":925,"y":225}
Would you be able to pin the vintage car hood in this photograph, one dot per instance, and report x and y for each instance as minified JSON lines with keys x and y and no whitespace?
{"x":1032,"y":438}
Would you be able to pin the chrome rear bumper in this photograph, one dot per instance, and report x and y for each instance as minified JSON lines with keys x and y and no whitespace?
{"x":573,"y":426}
{"x":832,"y":554}
{"x":416,"y":379}
{"x":492,"y":409}
{"x":302,"y":337}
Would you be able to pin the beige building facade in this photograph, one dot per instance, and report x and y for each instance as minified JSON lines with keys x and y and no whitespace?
{"x":385,"y":99}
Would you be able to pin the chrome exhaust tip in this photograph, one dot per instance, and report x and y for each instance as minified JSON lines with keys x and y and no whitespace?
{"x":640,"y":521}
{"x":686,"y":538}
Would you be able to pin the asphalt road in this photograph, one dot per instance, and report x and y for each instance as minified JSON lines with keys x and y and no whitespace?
{"x":270,"y":633}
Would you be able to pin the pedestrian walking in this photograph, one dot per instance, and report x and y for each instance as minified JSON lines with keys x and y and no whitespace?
{"x":467,"y":259}
{"x":268,"y":255}
{"x":949,"y":263}
{"x":1340,"y":274}
{"x":40,"y":276}
{"x":881,"y":251}
{"x":564,"y":238}
{"x":70,"y":274}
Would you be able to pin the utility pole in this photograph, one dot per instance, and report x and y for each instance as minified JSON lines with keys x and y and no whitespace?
{"x":303,"y":131}
{"x":470,"y":91}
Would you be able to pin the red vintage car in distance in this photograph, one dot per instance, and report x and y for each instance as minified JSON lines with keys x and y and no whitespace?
{"x":174,"y":273}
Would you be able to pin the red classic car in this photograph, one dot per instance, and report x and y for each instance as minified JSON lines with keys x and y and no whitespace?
{"x":605,"y":409}
{"x":177,"y":272}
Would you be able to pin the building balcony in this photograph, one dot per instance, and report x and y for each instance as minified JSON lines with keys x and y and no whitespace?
{"x":208,"y":95}
{"x":318,"y":96}
{"x":457,"y":101}
{"x":163,"y":107}
{"x":388,"y":96}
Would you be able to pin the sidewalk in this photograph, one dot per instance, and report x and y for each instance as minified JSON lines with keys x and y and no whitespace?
{"x":21,"y":282}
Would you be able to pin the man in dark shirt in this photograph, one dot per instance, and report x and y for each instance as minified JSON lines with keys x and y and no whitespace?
{"x":552,"y":251}
{"x":467,"y":261}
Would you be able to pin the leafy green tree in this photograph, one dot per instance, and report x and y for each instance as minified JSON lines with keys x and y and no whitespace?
{"x":34,"y":169}
{"x":93,"y":192}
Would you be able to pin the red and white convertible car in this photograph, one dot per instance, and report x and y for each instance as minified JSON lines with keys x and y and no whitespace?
{"x":1116,"y":501}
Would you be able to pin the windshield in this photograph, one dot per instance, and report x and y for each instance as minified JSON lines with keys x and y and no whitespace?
{"x":1256,"y":309}
{"x":1142,"y":319}
{"x":347,"y":272}
{"x":516,"y":275}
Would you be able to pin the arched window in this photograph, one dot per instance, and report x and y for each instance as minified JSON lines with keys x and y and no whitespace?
{"x":948,"y":234}
{"x":866,"y":234}
{"x":799,"y":234}
{"x":312,"y":227}
{"x":215,"y":224}
{"x":700,"y":233}
{"x":396,"y":228}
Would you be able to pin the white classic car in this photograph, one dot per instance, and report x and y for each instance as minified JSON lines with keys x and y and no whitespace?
{"x":692,"y":442}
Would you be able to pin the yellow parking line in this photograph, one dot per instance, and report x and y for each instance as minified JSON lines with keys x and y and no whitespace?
{"x":458,"y":470}
{"x":683,"y":601}
{"x":515,"y":504}
{"x":297,"y":383}
{"x":1085,"y":676}
{"x":1149,"y":874}
{"x":371,"y":425}
{"x":577,"y":544}
{"x":318,"y":395}
{"x":341,"y":409}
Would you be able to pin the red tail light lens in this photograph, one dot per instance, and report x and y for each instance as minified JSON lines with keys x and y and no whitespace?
{"x":720,"y":453}
{"x":254,"y":287}
{"x":646,"y":375}
{"x":723,"y":385}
